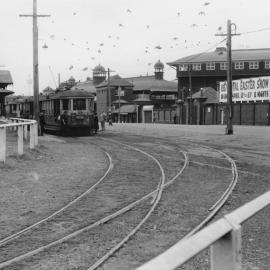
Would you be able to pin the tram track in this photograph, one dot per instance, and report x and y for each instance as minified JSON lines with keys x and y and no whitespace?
{"x":156,"y":193}
{"x":106,"y":219}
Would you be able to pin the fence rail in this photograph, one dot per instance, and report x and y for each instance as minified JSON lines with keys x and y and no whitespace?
{"x":21,"y":126}
{"x":223,"y":237}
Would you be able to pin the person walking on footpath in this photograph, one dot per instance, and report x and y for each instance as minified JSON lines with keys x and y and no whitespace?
{"x":96,"y":126}
{"x":110,"y":120}
{"x":102,"y":120}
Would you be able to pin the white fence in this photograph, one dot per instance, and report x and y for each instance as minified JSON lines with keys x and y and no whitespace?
{"x":224,"y":237}
{"x":21,"y":126}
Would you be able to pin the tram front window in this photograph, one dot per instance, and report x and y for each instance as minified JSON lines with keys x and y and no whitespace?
{"x":79,"y":104}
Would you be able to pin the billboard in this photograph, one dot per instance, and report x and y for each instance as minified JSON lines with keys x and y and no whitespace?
{"x":252,"y":89}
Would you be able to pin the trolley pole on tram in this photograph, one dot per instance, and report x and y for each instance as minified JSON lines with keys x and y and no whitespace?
{"x":229,"y":105}
{"x":35,"y":58}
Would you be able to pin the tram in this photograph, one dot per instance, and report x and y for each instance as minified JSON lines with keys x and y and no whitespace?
{"x":68,"y":111}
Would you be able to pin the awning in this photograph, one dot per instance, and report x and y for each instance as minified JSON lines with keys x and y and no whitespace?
{"x":148,"y":108}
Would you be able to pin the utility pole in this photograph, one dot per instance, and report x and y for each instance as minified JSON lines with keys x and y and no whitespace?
{"x":35,"y":58}
{"x":119,"y":94}
{"x":190,"y":95}
{"x":229,"y":105}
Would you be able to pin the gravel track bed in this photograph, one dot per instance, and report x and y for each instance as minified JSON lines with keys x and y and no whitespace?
{"x":115,"y":192}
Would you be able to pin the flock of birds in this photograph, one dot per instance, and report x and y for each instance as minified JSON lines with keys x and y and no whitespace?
{"x":147,"y":49}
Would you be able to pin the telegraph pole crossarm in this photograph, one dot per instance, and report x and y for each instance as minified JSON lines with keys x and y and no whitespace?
{"x":229,"y":105}
{"x":35,"y":57}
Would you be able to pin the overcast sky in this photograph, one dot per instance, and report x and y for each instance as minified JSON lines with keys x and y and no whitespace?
{"x":120,"y":35}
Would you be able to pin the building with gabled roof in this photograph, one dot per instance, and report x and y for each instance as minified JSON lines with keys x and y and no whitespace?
{"x":209,"y":68}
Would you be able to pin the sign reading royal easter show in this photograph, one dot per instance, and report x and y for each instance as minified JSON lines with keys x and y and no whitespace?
{"x":252,"y":89}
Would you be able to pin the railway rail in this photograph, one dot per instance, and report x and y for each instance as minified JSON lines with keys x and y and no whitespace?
{"x":102,"y":221}
{"x":156,"y":194}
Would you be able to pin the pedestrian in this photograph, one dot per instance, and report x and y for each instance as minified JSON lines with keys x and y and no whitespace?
{"x":96,"y":126}
{"x":110,"y":120}
{"x":174,"y":119}
{"x":102,"y":120}
{"x":42,"y":122}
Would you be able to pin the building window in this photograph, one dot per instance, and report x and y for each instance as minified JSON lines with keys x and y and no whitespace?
{"x":239,"y":65}
{"x":267,"y":65}
{"x":196,"y":66}
{"x":223,"y":66}
{"x":253,"y":65}
{"x":183,"y":67}
{"x":210,"y":66}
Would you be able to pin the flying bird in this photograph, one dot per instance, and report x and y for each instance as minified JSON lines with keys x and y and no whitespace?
{"x":178,"y":14}
{"x":146,"y":51}
{"x":128,"y":10}
{"x":84,"y":69}
{"x":120,"y":25}
{"x":158,"y":47}
{"x":194,"y":25}
{"x":71,"y":67}
{"x":99,"y":51}
{"x":175,"y":38}
{"x":117,"y":38}
{"x":101,"y":44}
{"x":52,"y":36}
{"x":206,"y":4}
{"x":92,"y":58}
{"x":110,"y":36}
{"x":201,"y":13}
{"x":220,"y":28}
{"x":147,"y":26}
{"x":149,"y":64}
{"x":88,"y":49}
{"x":74,"y":13}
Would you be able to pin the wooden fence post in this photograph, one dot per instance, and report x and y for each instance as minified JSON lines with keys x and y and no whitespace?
{"x":20,"y":140}
{"x":32,"y":136}
{"x":25,"y":133}
{"x":226,"y":252}
{"x":2,"y":144}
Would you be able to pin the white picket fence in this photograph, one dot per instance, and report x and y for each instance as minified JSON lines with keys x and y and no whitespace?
{"x":223,"y":237}
{"x":21,"y":127}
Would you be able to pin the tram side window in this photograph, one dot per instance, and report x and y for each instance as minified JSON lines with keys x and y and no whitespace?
{"x":79,"y":104}
{"x":65,"y":104}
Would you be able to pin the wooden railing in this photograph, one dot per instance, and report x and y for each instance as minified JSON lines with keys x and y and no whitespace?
{"x":21,"y":126}
{"x":223,"y":237}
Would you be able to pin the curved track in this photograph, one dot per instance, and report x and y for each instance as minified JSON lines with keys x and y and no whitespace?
{"x":106,"y":219}
{"x":156,"y":194}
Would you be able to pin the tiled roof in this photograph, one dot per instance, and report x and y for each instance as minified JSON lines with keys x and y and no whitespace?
{"x":220,"y":56}
{"x":87,"y":86}
{"x":73,"y":93}
{"x":152,"y":84}
{"x":5,"y":77}
{"x":208,"y":93}
{"x":115,"y":81}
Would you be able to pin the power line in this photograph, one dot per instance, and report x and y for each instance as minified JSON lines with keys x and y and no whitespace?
{"x":256,"y":31}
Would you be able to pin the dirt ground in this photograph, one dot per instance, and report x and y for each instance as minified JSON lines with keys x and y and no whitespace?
{"x":60,"y":169}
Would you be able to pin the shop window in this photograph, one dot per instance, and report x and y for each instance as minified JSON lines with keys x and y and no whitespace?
{"x":183,"y":67}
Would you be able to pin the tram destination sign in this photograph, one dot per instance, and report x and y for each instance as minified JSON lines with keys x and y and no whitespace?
{"x":251,"y":89}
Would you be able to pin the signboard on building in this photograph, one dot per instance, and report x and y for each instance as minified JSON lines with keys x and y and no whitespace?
{"x":252,"y":89}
